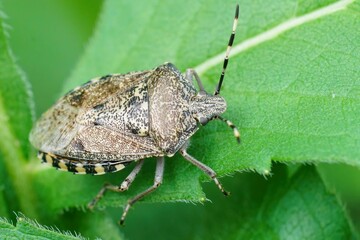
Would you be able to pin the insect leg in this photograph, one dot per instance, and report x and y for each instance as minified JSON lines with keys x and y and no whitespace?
{"x":124,"y":185}
{"x":190,"y":73}
{"x":230,"y":124}
{"x":157,"y":182}
{"x":129,"y":179}
{"x":211,"y":173}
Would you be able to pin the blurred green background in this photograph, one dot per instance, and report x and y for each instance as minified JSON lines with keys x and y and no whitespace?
{"x":38,"y":26}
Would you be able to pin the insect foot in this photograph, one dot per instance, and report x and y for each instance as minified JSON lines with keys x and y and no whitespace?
{"x":123,"y":187}
{"x":113,"y":121}
{"x":159,"y":173}
{"x":207,"y":170}
{"x":107,"y":186}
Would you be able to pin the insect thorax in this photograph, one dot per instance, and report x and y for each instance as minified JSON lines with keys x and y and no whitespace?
{"x":205,"y":107}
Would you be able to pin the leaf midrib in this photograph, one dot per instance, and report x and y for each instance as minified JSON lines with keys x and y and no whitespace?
{"x":273,"y":33}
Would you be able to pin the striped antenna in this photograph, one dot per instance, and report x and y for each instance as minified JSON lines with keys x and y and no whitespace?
{"x":226,"y":60}
{"x":233,"y":127}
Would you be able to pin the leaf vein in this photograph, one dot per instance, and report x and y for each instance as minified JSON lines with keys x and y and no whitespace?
{"x":274,"y":32}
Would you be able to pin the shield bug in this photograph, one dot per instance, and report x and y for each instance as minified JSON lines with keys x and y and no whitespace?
{"x":109,"y":122}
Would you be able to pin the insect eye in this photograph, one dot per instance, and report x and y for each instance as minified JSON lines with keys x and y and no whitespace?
{"x":203,"y":121}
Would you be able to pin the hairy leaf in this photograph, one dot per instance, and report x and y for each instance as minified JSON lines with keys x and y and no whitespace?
{"x":292,"y":88}
{"x":16,"y":115}
{"x":28,"y":229}
{"x":293,"y":96}
{"x":15,"y":99}
{"x":285,"y":206}
{"x":299,"y":208}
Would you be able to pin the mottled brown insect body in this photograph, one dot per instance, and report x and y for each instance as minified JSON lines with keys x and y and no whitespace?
{"x":114,"y":120}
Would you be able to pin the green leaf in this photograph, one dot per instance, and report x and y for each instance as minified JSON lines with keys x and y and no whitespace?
{"x":301,"y":208}
{"x":16,"y":102}
{"x":32,"y":40}
{"x":293,"y":95}
{"x":345,"y":181}
{"x":297,"y":208}
{"x":28,"y":229}
{"x":16,"y":115}
{"x":284,"y":91}
{"x":284,"y":206}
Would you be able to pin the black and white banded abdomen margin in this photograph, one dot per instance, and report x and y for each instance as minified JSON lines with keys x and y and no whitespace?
{"x":81,"y":167}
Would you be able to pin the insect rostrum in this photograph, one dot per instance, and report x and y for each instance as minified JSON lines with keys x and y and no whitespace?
{"x":117,"y":119}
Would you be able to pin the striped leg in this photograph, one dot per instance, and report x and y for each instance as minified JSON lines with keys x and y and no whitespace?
{"x":230,"y":124}
{"x":157,"y":182}
{"x":124,"y":185}
{"x":211,"y":173}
